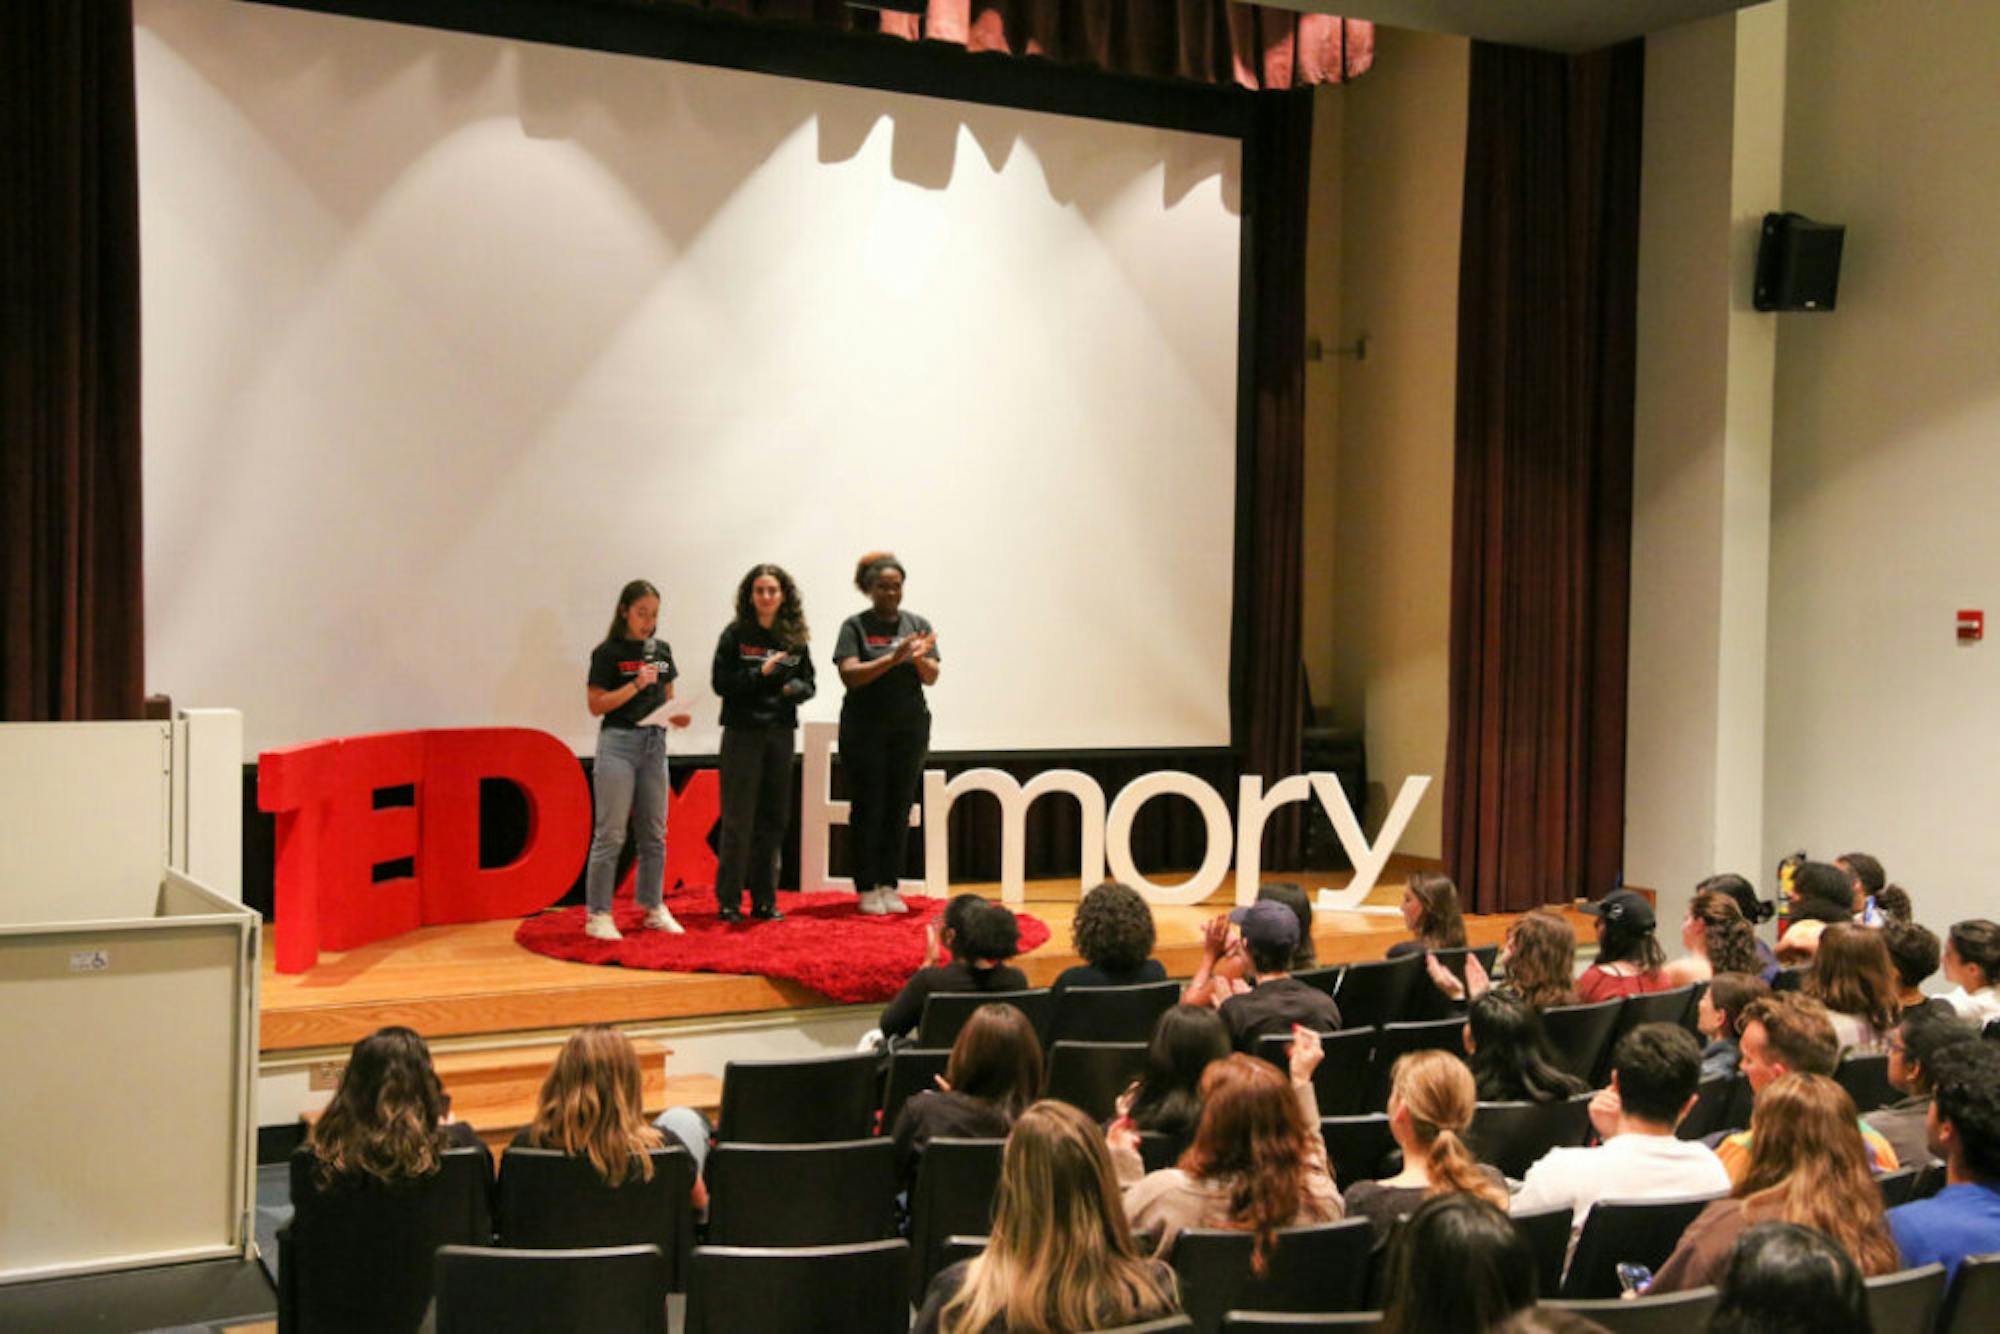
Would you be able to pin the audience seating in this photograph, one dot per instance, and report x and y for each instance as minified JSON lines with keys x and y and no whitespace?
{"x":1513,"y":1135}
{"x":1547,"y":1234}
{"x":1111,"y":1014}
{"x":1642,"y":1232}
{"x":1990,"y":1030}
{"x":1692,"y":1019}
{"x":912,"y":1070}
{"x":1714,"y":1105}
{"x":1091,"y":1075}
{"x":1357,"y":1147}
{"x":959,"y":1246}
{"x":1373,"y":994}
{"x":1669,"y":1313}
{"x":1157,"y":1149}
{"x":1323,"y":1267}
{"x":1298,"y":1322}
{"x":1930,"y":1180}
{"x":801,"y":1194}
{"x":1581,"y":1034}
{"x":1866,"y":1079}
{"x":1325,"y":979}
{"x":607,"y":1290}
{"x":956,"y":1179}
{"x":549,"y":1200}
{"x":1654,"y":1007}
{"x":1906,"y":1300}
{"x":1896,"y":1186}
{"x":1342,"y":1082}
{"x":1395,"y":1039}
{"x":361,"y":1256}
{"x":945,"y":1012}
{"x":1163,"y":1325}
{"x":806,"y":1101}
{"x":856,"y":1289}
{"x":1972,"y":1303}
{"x":1426,"y":1001}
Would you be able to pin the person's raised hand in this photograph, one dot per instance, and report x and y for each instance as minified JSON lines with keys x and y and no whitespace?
{"x":1442,"y":978}
{"x":1606,"y":1107}
{"x":1122,"y":1134}
{"x":943,"y":1084}
{"x":931,"y":945}
{"x":647,"y":674}
{"x":1477,"y":983}
{"x":1215,"y":937}
{"x":1306,"y":1053}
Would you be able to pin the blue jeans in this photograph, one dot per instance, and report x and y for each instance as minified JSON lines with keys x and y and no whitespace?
{"x":629,"y":775}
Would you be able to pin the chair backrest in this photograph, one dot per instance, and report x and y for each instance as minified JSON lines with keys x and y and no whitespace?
{"x":1392,"y":1040}
{"x":1111,"y":1014}
{"x":1091,"y":1075}
{"x":814,"y":1100}
{"x":956,"y":1180}
{"x":1669,"y":1313}
{"x":607,"y":1290}
{"x":1158,"y":1149}
{"x":1581,"y":1034}
{"x":1323,"y":1267}
{"x":1295,"y":1322}
{"x":1972,"y":1302}
{"x":1356,"y":1146}
{"x":1373,"y":994}
{"x":1907,"y":1299}
{"x":1547,"y":1233}
{"x":1653,"y":1007}
{"x":1342,"y":1081}
{"x":1714,"y":1102}
{"x":1425,"y":1001}
{"x":1692,"y":1021}
{"x":1513,"y":1136}
{"x":1164,"y":1325}
{"x":801,"y":1194}
{"x":855,"y":1289}
{"x":1642,"y":1232}
{"x":1866,"y":1079}
{"x":548,"y":1200}
{"x":912,"y":1070}
{"x":959,"y":1246}
{"x":945,"y":1012}
{"x":1930,"y":1180}
{"x":1896,"y":1186}
{"x":360,"y":1254}
{"x":1325,"y":979}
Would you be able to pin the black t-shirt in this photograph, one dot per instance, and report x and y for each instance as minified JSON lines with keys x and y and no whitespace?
{"x":615,"y":662}
{"x":907,"y":1009}
{"x":1090,"y":975}
{"x":750,"y":696}
{"x":897,"y":695}
{"x":1272,"y":1008}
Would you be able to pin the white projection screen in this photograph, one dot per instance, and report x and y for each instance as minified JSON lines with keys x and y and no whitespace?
{"x":446,"y":337}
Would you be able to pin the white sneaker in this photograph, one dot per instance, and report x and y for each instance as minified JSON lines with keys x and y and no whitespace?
{"x":659,"y":919}
{"x":599,"y":926}
{"x":873,"y":903}
{"x":892,"y":901}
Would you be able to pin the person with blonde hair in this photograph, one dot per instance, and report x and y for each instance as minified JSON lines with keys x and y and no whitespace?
{"x":1431,"y":1101}
{"x":592,"y":1105}
{"x":1808,"y":1165}
{"x":1061,"y":1255}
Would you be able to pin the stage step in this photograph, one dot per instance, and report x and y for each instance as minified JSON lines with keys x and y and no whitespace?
{"x":495,"y":1089}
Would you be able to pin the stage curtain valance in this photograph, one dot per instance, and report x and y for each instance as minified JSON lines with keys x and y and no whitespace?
{"x":1542,"y":513}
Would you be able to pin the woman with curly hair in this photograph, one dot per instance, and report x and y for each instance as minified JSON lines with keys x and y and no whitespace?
{"x":1718,"y":940}
{"x":386,"y":1121}
{"x":762,"y":673}
{"x":1538,"y":962}
{"x":1113,"y":931}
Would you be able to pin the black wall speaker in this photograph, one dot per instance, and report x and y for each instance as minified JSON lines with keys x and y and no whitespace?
{"x":1798,"y":263}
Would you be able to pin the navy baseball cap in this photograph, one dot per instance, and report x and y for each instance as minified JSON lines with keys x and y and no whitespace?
{"x":1268,"y":924}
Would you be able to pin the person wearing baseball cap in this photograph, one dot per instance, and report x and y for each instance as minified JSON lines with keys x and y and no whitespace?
{"x":1269,"y":932}
{"x":1630,"y":961}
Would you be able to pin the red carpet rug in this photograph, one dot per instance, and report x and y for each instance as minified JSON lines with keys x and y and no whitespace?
{"x":825,"y":941}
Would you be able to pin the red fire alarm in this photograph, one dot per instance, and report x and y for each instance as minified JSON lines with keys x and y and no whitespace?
{"x":1971,"y":626}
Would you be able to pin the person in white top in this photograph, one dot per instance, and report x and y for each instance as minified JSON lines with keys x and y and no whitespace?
{"x":1655,"y":1071}
{"x":1972,"y":962}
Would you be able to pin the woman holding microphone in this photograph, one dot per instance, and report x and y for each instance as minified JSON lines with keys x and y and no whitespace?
{"x":886,"y":656}
{"x":631,"y":676}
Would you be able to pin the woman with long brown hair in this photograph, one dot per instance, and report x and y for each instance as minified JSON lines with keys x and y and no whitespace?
{"x":592,"y":1106}
{"x":1431,"y":1101}
{"x":994,"y":1072}
{"x":1808,"y":1165}
{"x":1538,"y":961}
{"x":1718,"y":940}
{"x":1854,"y":978}
{"x":1061,"y":1255}
{"x":1431,"y":911}
{"x":386,"y":1119}
{"x":1257,"y":1162}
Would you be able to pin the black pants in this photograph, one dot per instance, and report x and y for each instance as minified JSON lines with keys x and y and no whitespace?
{"x":883,"y":765}
{"x":756,"y":799}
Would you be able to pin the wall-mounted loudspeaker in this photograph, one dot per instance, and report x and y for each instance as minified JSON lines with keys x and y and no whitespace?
{"x":1798,"y":263}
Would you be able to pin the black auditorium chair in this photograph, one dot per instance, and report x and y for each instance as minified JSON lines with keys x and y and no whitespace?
{"x":1513,"y":1136}
{"x":945,"y":1012}
{"x":1426,"y":1001}
{"x":1357,"y":1147}
{"x":1930,"y":1180}
{"x":1321,"y":1267}
{"x":1693,"y":1017}
{"x":549,"y":1200}
{"x":854,"y":1289}
{"x":1393,"y":1040}
{"x":1654,"y":1007}
{"x":1581,"y":1034}
{"x":1158,"y":1149}
{"x":912,"y":1070}
{"x":360,"y":1255}
{"x":1866,"y":1079}
{"x":1341,"y":1083}
{"x":1298,"y":1322}
{"x":956,"y":1181}
{"x":1906,"y":1300}
{"x":801,"y":1194}
{"x":607,"y":1290}
{"x":1714,"y":1102}
{"x":1642,"y":1232}
{"x":1547,"y":1233}
{"x":958,"y":1247}
{"x":1972,"y":1302}
{"x":1091,"y":1075}
{"x":1669,"y":1313}
{"x":1166,"y":1324}
{"x":1325,"y":979}
{"x":807,"y":1101}
{"x":1372,"y":994}
{"x":1111,"y":1014}
{"x":1897,"y":1186}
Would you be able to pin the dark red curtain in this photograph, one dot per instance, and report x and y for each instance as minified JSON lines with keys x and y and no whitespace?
{"x":71,"y":602}
{"x":1542,"y":515}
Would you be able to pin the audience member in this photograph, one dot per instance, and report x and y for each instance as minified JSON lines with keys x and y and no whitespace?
{"x":1894,"y":903}
{"x":1755,"y":911}
{"x":1809,"y":1166}
{"x":1431,"y":1101}
{"x":1784,"y":1035}
{"x":1113,"y":931}
{"x":1912,"y":1046}
{"x":1061,"y":1256}
{"x":1655,"y":1071}
{"x":1294,"y":897}
{"x":1964,"y":1218}
{"x":1537,"y":960}
{"x":1278,"y":1000}
{"x":592,"y":1105}
{"x":1866,"y":882}
{"x":1972,"y":966}
{"x":387,"y":1118}
{"x":1167,"y":1097}
{"x":1718,"y":940}
{"x":1719,"y":1016}
{"x":1786,"y":1279}
{"x":1820,"y":891}
{"x":1457,"y":1263}
{"x":1257,"y":1161}
{"x":1629,"y":959}
{"x":1511,"y":1057}
{"x":986,"y":937}
{"x":1430,"y":910}
{"x":1852,"y":976}
{"x":1795,"y":952}
{"x":994,"y":1072}
{"x":1915,"y":954}
{"x":942,"y":932}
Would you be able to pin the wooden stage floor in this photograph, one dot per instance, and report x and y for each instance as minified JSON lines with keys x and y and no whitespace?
{"x":469,"y":980}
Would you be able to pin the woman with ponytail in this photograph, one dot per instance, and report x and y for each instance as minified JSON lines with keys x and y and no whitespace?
{"x":1431,"y":1101}
{"x":1718,"y":939}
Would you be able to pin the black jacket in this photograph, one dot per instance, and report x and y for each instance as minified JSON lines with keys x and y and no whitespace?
{"x":750,"y":698}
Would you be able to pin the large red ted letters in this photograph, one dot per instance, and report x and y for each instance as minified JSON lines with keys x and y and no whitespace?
{"x":331,"y":836}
